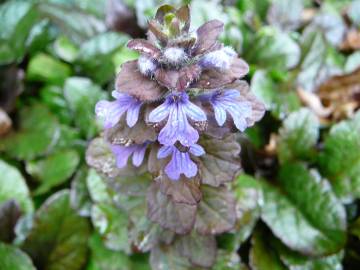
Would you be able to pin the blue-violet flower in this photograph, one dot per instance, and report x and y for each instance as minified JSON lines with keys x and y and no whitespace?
{"x":229,"y":101}
{"x":177,"y":108}
{"x":180,"y":162}
{"x":122,"y":154}
{"x":111,"y":111}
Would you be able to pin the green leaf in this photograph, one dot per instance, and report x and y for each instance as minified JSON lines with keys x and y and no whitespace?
{"x":276,"y":96}
{"x":216,"y":211}
{"x":96,"y":55}
{"x":41,"y":35}
{"x":53,"y":170}
{"x":298,"y":136}
{"x":82,"y":95}
{"x":352,"y":62}
{"x":101,"y":45}
{"x":353,"y":12}
{"x":123,"y":55}
{"x":79,"y":194}
{"x":249,"y":199}
{"x":330,"y":23}
{"x":340,"y":159}
{"x":12,"y":258}
{"x":112,"y":224}
{"x":306,"y":216}
{"x":17,"y":19}
{"x":53,"y":97}
{"x":75,"y":23}
{"x":204,"y":11}
{"x":38,"y":134}
{"x":296,"y":261}
{"x":228,"y":261}
{"x":262,"y":255}
{"x":100,"y":157}
{"x":65,"y":49}
{"x":355,"y":228}
{"x":316,"y":63}
{"x":97,"y":188}
{"x":273,"y":49}
{"x":44,"y":68}
{"x":13,"y":186}
{"x":286,"y":14}
{"x":103,"y":258}
{"x":58,"y":238}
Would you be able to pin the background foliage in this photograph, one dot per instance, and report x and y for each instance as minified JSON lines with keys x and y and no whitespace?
{"x":298,"y":199}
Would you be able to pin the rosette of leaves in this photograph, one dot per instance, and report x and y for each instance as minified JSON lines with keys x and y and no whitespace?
{"x":175,"y":114}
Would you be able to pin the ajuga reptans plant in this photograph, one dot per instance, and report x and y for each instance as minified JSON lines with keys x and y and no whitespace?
{"x":169,"y":140}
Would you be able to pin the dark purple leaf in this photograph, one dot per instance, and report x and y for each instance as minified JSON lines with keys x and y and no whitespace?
{"x":216,"y":212}
{"x":214,"y":78}
{"x":183,"y":14}
{"x":155,"y":165}
{"x":157,"y":33}
{"x":10,"y":213}
{"x":207,"y":36}
{"x":58,"y":236}
{"x":144,"y":47}
{"x":199,"y":249}
{"x":184,"y":190}
{"x":121,"y":18}
{"x":178,"y":79}
{"x":132,"y":82}
{"x":221,"y":163}
{"x":123,"y":134}
{"x":177,"y":217}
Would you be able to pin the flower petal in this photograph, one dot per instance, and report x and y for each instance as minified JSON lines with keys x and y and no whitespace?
{"x":160,"y":113}
{"x":239,"y":114}
{"x":220,"y":114}
{"x":197,"y":150}
{"x":178,"y":128}
{"x":188,"y":167}
{"x":138,"y":155}
{"x":122,"y":154}
{"x":111,"y":112}
{"x":194,"y":112}
{"x":180,"y":163}
{"x":132,"y":115}
{"x":172,"y":169}
{"x":164,"y":151}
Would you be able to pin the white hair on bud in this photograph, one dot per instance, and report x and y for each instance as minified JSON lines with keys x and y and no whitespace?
{"x":229,"y":51}
{"x":146,"y":65}
{"x":220,"y":59}
{"x":175,"y":55}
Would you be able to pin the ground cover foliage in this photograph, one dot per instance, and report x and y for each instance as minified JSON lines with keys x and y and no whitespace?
{"x":293,"y":205}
